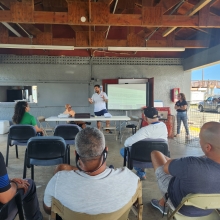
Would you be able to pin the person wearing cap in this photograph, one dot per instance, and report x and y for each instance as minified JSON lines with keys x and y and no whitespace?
{"x":91,"y":187}
{"x":155,"y":130}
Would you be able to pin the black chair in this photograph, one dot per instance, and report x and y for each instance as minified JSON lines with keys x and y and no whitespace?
{"x":68,"y":133}
{"x":19,"y":135}
{"x":44,"y":151}
{"x":4,"y":208}
{"x":139,"y":154}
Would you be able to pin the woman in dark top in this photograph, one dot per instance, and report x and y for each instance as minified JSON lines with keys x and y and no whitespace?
{"x":181,"y":108}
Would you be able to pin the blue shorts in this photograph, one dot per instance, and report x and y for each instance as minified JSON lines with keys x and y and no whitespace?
{"x":101,"y":113}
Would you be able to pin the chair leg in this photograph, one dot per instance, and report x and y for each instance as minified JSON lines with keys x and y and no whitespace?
{"x":69,"y":155}
{"x":16,"y":149}
{"x":7,"y":153}
{"x":25,"y":165}
{"x":32,"y":172}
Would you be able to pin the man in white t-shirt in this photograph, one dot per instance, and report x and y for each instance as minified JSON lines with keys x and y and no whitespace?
{"x":154,"y":130}
{"x":91,"y":187}
{"x":99,"y":98}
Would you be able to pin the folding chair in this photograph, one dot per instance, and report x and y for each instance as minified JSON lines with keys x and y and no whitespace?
{"x":4,"y":208}
{"x":47,"y":127}
{"x":44,"y":151}
{"x":68,"y":132}
{"x":61,"y":212}
{"x":113,"y":130}
{"x":139,"y":154}
{"x":202,"y":201}
{"x":19,"y":135}
{"x":132,"y":126}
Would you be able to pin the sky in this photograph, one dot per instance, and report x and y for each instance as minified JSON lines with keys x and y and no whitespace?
{"x":210,"y":73}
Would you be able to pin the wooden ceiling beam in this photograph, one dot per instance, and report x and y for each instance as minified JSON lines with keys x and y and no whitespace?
{"x":31,"y":29}
{"x":41,"y":17}
{"x":29,"y":16}
{"x":191,"y":12}
{"x":4,"y":34}
{"x":98,"y":40}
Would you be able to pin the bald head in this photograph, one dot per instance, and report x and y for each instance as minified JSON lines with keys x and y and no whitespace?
{"x":210,"y":134}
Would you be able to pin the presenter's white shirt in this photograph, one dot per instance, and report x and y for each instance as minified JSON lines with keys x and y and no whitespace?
{"x":104,"y":193}
{"x":152,"y":131}
{"x":99,"y":103}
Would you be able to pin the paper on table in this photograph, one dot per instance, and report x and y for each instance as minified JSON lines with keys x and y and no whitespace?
{"x":63,"y":116}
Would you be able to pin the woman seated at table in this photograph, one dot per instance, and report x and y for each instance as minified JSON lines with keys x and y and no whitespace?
{"x":71,"y":112}
{"x":23,"y":117}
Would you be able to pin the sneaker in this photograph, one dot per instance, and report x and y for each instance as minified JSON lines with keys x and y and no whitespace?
{"x":188,"y":137}
{"x":143,"y":178}
{"x":177,"y":135}
{"x":155,"y":203}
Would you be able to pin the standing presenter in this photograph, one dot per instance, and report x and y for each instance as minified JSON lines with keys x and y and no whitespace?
{"x":99,"y":98}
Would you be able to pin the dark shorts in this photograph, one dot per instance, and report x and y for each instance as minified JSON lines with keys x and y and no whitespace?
{"x":101,"y":113}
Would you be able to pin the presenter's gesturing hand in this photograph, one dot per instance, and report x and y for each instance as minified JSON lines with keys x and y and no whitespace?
{"x":103,"y":97}
{"x":90,"y":100}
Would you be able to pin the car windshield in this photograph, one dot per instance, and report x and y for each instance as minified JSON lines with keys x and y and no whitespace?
{"x":209,"y":99}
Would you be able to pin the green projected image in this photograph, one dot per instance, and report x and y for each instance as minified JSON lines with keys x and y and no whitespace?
{"x":126,"y":96}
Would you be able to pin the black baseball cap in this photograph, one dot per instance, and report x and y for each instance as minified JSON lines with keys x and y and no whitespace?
{"x":151,"y":112}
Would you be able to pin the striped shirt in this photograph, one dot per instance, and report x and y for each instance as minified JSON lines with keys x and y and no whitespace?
{"x":4,"y":180}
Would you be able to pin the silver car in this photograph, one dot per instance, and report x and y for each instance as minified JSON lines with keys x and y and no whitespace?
{"x":212,"y":103}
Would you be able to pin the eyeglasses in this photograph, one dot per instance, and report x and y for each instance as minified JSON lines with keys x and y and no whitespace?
{"x":70,"y":107}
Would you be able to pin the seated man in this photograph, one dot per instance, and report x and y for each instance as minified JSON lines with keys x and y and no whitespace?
{"x":155,"y":130}
{"x":71,"y":112}
{"x":179,"y":177}
{"x":27,"y":189}
{"x":91,"y":187}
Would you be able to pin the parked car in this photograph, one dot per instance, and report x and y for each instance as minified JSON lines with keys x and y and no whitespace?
{"x":212,"y":103}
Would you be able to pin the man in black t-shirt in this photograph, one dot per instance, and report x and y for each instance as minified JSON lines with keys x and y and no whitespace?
{"x":27,"y":189}
{"x":180,"y":177}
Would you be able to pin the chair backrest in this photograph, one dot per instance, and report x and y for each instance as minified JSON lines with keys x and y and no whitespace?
{"x":141,"y":150}
{"x":67,"y":132}
{"x":121,"y":214}
{"x":21,"y":132}
{"x":203,"y":201}
{"x":46,"y":148}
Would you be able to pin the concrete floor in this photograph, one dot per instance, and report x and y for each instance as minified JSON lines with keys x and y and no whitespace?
{"x":150,"y":189}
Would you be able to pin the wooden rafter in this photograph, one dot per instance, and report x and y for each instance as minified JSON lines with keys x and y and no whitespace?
{"x":98,"y":40}
{"x":41,"y":17}
{"x":193,"y":11}
{"x":31,"y":29}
